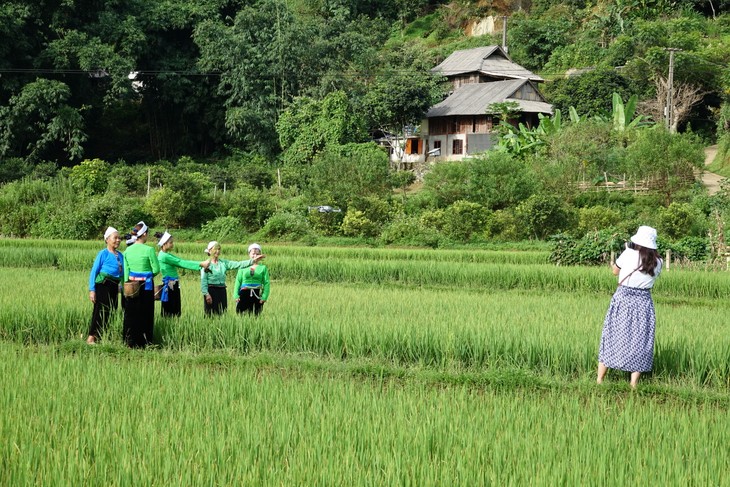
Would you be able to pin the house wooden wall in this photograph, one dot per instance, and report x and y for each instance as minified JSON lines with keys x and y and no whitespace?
{"x":472,"y":124}
{"x":527,"y":92}
{"x":458,"y":81}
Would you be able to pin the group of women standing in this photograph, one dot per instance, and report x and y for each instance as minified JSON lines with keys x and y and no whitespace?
{"x":134,"y":271}
{"x":627,"y":340}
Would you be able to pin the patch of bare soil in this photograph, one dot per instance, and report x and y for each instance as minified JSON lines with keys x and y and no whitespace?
{"x":710,"y":179}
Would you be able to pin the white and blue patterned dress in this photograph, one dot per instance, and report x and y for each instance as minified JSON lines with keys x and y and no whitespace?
{"x":627,"y":341}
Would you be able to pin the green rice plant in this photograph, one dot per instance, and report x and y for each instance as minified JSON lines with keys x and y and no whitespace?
{"x":547,"y":332}
{"x":238,"y":251}
{"x":150,"y":418}
{"x":352,"y":266}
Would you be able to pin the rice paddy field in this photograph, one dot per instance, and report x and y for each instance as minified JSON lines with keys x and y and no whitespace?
{"x":367,"y":367}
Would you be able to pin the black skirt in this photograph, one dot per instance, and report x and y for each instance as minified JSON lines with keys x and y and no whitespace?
{"x":107,"y":301}
{"x":139,"y":319}
{"x":249,"y":301}
{"x":172,"y":306}
{"x":220,"y":301}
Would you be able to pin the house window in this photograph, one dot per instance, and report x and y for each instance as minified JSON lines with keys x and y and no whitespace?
{"x":412,"y":146}
{"x":457,"y":147}
{"x":437,"y":144}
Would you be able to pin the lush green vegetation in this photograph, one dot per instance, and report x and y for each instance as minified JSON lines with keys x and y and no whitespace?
{"x":233,"y":126}
{"x":423,"y":367}
{"x":459,"y":361}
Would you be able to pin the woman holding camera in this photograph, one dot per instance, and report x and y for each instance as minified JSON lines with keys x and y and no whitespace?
{"x":627,"y":341}
{"x":140,"y":268}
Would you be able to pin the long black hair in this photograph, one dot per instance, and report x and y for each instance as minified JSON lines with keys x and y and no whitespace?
{"x":648,"y":259}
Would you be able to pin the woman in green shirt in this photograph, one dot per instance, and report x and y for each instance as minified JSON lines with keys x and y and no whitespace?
{"x":141,"y":266}
{"x":213,"y":280}
{"x":169,"y":263}
{"x":252,"y":285}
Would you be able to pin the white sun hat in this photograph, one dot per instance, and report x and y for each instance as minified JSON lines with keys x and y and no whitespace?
{"x":254,"y":246}
{"x":645,"y":236}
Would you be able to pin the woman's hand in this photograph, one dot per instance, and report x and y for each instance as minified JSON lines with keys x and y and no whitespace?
{"x":209,"y":299}
{"x":205,"y":264}
{"x":258,"y":257}
{"x":262,"y":301}
{"x":92,"y":296}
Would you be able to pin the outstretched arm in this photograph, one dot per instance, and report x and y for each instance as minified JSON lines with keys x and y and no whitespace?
{"x":265,"y":285}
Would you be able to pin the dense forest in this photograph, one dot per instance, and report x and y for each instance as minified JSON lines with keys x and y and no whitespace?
{"x":230,"y":117}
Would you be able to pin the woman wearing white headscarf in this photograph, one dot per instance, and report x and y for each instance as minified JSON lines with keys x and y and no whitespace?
{"x":252,"y":285}
{"x":169,"y":264}
{"x":140,"y":268}
{"x":213,"y":280}
{"x":104,"y":278}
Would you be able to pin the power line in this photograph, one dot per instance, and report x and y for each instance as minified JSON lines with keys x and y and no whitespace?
{"x":516,"y":72}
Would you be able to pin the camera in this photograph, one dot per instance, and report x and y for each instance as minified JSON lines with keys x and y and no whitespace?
{"x":631,"y":245}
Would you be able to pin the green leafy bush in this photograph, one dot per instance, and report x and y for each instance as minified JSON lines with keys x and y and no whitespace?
{"x":690,"y":248}
{"x":356,"y":224}
{"x":251,"y":206}
{"x":410,"y":231}
{"x":593,"y":248}
{"x":91,"y":176}
{"x":504,"y":225}
{"x":14,"y":168}
{"x":329,"y":224}
{"x":223,"y":228}
{"x":596,"y":218}
{"x":286,"y":225}
{"x":464,"y":219}
{"x":682,"y":220}
{"x":250,"y":169}
{"x":496,"y":181}
{"x":22,"y":204}
{"x":543,"y":215}
{"x":167,"y":207}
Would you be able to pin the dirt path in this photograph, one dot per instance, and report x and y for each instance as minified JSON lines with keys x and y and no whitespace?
{"x":710,"y":179}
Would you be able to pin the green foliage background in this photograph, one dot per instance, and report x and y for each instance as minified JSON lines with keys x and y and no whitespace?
{"x":205,"y":116}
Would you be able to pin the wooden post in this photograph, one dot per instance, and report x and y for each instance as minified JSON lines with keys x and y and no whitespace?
{"x":278,"y":178}
{"x":224,"y":188}
{"x":149,"y":180}
{"x":613,"y":257}
{"x":668,"y":259}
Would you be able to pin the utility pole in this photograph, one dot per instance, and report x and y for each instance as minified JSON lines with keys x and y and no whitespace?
{"x":504,"y":33}
{"x":670,"y":88}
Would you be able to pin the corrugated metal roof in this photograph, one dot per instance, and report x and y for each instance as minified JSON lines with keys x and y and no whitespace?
{"x":491,"y":60}
{"x":474,"y":98}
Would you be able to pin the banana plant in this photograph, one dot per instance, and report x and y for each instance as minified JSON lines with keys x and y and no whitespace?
{"x":574,"y":117}
{"x":623,"y":114}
